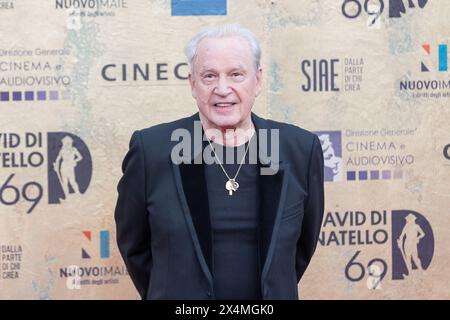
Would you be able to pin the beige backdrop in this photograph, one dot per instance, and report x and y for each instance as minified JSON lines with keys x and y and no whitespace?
{"x":385,"y":145}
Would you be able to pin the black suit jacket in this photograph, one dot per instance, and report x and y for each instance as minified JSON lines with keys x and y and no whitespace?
{"x":163,"y":223}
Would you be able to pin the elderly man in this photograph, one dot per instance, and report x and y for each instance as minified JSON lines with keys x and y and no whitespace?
{"x":234,"y":215}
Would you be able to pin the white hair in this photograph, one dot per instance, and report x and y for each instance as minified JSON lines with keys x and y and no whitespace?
{"x":223,"y":31}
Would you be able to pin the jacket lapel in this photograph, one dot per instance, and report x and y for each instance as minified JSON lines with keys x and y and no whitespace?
{"x":191,"y":187}
{"x":272,"y":194}
{"x":194,"y":187}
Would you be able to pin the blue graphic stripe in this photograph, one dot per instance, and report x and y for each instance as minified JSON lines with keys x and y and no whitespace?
{"x":443,"y":60}
{"x":104,"y":244}
{"x":199,"y":7}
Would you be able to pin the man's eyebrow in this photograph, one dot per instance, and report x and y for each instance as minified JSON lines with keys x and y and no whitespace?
{"x":239,"y":68}
{"x":204,"y":70}
{"x":208,"y":69}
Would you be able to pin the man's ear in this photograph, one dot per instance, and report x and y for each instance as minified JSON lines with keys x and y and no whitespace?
{"x":258,"y":81}
{"x":192,"y":83}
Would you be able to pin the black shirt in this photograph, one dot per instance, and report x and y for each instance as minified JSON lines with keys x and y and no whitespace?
{"x":234,"y":221}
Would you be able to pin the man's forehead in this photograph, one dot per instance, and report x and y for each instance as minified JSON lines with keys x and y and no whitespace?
{"x":208,"y":66}
{"x":233,"y":42}
{"x":230,"y":52}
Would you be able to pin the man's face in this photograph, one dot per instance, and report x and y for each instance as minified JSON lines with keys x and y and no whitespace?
{"x":224,"y":81}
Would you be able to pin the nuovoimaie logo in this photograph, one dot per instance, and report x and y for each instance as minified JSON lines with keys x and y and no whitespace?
{"x":433,"y":81}
{"x":412,"y":243}
{"x":69,"y":166}
{"x":103,"y":244}
{"x":91,"y":270}
{"x":199,"y":7}
{"x":331,"y":142}
{"x":442,"y":57}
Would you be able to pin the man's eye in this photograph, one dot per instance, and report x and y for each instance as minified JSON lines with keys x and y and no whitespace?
{"x":236,"y":74}
{"x":208,"y":76}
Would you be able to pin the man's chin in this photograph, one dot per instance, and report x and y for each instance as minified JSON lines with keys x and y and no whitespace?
{"x":225,"y":121}
{"x":226,"y":124}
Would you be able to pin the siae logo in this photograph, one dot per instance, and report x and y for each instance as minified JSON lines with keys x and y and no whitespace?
{"x":103,"y":244}
{"x":320,"y":75}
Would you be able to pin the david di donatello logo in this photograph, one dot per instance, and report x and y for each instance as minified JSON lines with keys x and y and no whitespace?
{"x":199,"y":7}
{"x":412,"y":243}
{"x":374,"y":10}
{"x":69,"y":167}
{"x":23,"y":162}
{"x":365,"y":155}
{"x":408,"y":246}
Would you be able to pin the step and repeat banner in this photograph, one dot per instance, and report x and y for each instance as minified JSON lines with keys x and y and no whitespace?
{"x":369,"y":77}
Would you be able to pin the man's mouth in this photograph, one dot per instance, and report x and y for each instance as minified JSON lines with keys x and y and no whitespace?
{"x":224,"y":104}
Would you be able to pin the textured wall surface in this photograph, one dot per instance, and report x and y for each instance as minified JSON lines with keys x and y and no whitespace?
{"x":371,"y":78}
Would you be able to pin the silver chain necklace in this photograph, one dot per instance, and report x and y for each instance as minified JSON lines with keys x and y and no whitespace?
{"x":231,"y":185}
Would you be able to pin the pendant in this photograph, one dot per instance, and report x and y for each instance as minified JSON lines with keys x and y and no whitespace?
{"x":231,"y":186}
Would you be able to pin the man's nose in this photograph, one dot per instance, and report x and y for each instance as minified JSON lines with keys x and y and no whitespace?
{"x":222,"y":88}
